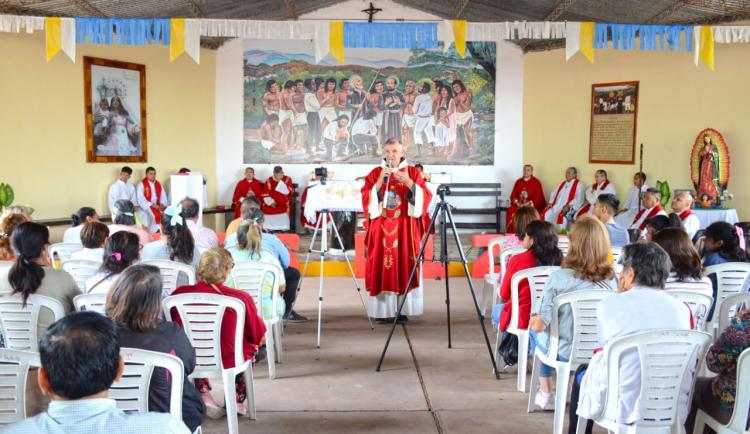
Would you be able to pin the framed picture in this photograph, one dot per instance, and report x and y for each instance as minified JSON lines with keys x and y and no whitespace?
{"x":614,"y":115}
{"x":115,"y":104}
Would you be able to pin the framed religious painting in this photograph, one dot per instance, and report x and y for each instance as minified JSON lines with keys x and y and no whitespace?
{"x":115,"y":108}
{"x":614,"y":115}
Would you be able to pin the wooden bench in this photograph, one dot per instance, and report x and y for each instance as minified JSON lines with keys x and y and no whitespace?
{"x":469,"y":189}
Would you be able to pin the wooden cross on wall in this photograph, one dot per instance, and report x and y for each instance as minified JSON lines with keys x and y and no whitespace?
{"x":371,"y":11}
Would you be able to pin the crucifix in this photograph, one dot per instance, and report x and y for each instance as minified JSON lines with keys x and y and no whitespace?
{"x":372,"y":10}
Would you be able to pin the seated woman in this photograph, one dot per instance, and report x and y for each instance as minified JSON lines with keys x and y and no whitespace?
{"x":715,"y":395}
{"x":32,"y":273}
{"x":125,"y":221}
{"x":176,"y":243}
{"x":250,"y":238}
{"x":540,"y":242}
{"x":213,"y":270}
{"x":522,"y":217}
{"x":93,"y":237}
{"x":7,"y":225}
{"x":585,"y":267}
{"x":722,"y":243}
{"x":120,"y":251}
{"x":81,"y":217}
{"x":658,"y":223}
{"x":134,"y":305}
{"x":234,"y":225}
{"x":686,"y":274}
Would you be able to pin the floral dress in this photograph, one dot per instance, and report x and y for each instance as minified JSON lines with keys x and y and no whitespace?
{"x":722,"y":358}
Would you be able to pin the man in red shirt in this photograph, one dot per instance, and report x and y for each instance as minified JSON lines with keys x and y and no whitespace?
{"x":527,"y":191}
{"x":278,"y":192}
{"x":247,"y":186}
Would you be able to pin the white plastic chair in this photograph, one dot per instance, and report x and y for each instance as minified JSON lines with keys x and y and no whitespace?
{"x":563,"y":243}
{"x":95,"y":302}
{"x":699,"y":303}
{"x":19,"y":323}
{"x":170,"y":271}
{"x":131,"y":392}
{"x":583,"y":304}
{"x":14,"y":370}
{"x":201,"y":316}
{"x":81,"y":270}
{"x":63,"y":251}
{"x":537,"y":278}
{"x":729,"y":278}
{"x":249,"y":276}
{"x":739,"y":417}
{"x":728,"y":309}
{"x":666,"y":358}
{"x":494,"y":279}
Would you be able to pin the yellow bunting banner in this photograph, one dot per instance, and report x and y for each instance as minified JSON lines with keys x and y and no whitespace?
{"x":177,"y":38}
{"x":587,"y":40}
{"x":459,"y":36}
{"x":707,"y":46}
{"x":336,"y":40}
{"x":53,"y":32}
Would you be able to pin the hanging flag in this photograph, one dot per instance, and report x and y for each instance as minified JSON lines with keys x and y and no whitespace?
{"x":68,"y":37}
{"x":587,"y":40}
{"x":445,"y":34}
{"x":707,"y":46}
{"x":177,"y":41}
{"x":336,"y":40}
{"x":322,"y":41}
{"x":193,"y":39}
{"x":579,"y":37}
{"x":53,"y":35}
{"x":459,"y":36}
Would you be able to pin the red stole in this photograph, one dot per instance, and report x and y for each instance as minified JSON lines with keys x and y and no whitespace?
{"x":147,"y":194}
{"x":282,"y":200}
{"x":685,"y":214}
{"x":654,"y":211}
{"x":585,"y":208}
{"x":571,"y":196}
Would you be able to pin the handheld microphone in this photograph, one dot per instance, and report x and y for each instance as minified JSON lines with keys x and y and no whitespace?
{"x":388,"y":164}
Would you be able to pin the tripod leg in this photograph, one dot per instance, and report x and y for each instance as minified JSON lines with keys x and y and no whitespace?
{"x":402,"y":302}
{"x":444,"y":260}
{"x":307,"y":257}
{"x":473,"y":292}
{"x":354,"y":278}
{"x":323,"y":251}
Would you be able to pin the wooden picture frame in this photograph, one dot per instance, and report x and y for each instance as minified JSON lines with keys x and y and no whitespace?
{"x":115,"y":111}
{"x":614,"y":121}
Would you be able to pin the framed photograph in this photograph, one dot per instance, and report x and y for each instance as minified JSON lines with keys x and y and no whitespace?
{"x":614,"y":115}
{"x":115,"y":104}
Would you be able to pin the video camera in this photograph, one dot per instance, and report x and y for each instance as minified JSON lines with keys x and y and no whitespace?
{"x":322,"y":172}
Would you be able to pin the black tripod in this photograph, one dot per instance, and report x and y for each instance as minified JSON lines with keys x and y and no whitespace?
{"x":443,"y":210}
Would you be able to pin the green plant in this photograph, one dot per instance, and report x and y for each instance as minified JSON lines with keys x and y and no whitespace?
{"x":6,"y":196}
{"x":666,"y":193}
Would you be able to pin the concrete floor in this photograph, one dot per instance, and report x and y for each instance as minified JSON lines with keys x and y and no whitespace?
{"x":424,"y":387}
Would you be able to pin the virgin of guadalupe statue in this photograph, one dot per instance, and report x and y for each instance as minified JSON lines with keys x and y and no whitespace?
{"x":709,"y":167}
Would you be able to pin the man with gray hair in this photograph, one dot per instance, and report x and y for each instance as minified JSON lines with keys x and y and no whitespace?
{"x":393,"y":102}
{"x":204,"y":237}
{"x":681,"y":204}
{"x":640,"y":306}
{"x":565,"y":199}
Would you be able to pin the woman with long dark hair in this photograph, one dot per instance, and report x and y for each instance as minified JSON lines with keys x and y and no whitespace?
{"x":84,"y":215}
{"x":687,"y":273}
{"x":31,"y":272}
{"x":121,"y":251}
{"x":176,"y":243}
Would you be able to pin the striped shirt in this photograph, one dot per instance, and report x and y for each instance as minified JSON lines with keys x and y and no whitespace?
{"x":702,"y":285}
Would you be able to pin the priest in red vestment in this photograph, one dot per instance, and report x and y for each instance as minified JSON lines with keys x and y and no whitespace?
{"x":278,"y":193}
{"x":247,"y":186}
{"x":152,"y":199}
{"x":565,"y":199}
{"x":651,"y":208}
{"x":527,"y":191}
{"x":394,"y":199}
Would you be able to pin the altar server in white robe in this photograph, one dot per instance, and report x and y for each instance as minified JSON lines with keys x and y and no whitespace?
{"x":122,"y":189}
{"x":152,"y":198}
{"x":681,"y":204}
{"x":601,"y":186}
{"x":565,"y":199}
{"x":630,"y":208}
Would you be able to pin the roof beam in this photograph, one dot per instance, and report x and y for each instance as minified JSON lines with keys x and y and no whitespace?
{"x":89,"y":8}
{"x":554,"y":15}
{"x":460,"y":6}
{"x":291,"y":14}
{"x":194,"y":8}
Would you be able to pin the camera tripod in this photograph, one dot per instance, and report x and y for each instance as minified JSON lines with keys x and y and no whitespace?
{"x":443,"y":210}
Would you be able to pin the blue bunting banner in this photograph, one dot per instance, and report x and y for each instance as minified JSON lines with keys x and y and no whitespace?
{"x":123,"y":31}
{"x":391,"y":35}
{"x":652,"y":37}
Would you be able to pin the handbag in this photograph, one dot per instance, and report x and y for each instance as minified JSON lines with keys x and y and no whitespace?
{"x":508,"y":349}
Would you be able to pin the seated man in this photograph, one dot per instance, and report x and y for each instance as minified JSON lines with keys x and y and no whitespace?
{"x":278,"y":194}
{"x":681,"y":204}
{"x":80,"y":357}
{"x":604,"y":210}
{"x":601,"y":186}
{"x":565,"y":199}
{"x":247,"y":203}
{"x":246,"y":187}
{"x":633,"y":203}
{"x":651,"y":208}
{"x":205,"y":238}
{"x":641,"y":306}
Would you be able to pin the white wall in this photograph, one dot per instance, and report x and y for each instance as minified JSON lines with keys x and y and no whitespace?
{"x":508,"y":118}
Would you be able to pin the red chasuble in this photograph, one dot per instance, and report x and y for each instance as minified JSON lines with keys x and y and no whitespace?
{"x":148,"y":194}
{"x":283,"y":201}
{"x":393,"y":238}
{"x":243,"y":188}
{"x":534,"y":193}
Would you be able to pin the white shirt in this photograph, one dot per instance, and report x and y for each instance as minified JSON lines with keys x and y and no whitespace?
{"x":89,"y":254}
{"x":636,"y":311}
{"x":691,"y":224}
{"x":423,"y":105}
{"x":311,"y":102}
{"x":632,"y":202}
{"x":364,"y":126}
{"x":73,"y":235}
{"x":99,"y":283}
{"x":592,"y":195}
{"x":702,"y":285}
{"x":562,"y":198}
{"x":330,"y":131}
{"x":120,"y":191}
{"x":204,"y":237}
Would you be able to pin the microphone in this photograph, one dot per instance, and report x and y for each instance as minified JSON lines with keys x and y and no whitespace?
{"x":388,"y":164}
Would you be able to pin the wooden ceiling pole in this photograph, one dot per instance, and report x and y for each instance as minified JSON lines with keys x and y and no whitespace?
{"x":460,"y":6}
{"x":89,"y":8}
{"x":554,"y":15}
{"x":291,"y":13}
